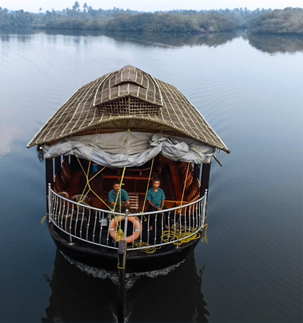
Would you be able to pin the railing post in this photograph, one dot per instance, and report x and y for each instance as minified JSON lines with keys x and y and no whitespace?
{"x":125,"y":223}
{"x":204,"y":208}
{"x":49,"y":202}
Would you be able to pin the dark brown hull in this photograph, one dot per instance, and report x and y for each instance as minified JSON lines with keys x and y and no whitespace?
{"x":105,"y":258}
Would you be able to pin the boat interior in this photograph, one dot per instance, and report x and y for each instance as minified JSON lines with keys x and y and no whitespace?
{"x":179,"y":181}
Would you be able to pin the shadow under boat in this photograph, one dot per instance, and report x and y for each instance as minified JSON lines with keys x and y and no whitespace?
{"x":153,"y":297}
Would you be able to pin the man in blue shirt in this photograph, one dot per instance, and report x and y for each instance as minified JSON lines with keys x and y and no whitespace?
{"x":123,"y":197}
{"x":155,"y":198}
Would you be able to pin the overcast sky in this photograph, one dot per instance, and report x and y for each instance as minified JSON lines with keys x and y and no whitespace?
{"x":146,"y":5}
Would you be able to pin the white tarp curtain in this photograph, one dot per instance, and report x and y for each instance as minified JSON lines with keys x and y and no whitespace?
{"x":130,"y":149}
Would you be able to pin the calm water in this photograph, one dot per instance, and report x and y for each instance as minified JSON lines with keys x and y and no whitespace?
{"x":250,"y":90}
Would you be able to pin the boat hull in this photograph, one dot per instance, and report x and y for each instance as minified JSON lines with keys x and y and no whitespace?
{"x":105,"y":258}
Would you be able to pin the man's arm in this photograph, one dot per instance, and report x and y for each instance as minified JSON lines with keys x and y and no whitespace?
{"x":153,"y":205}
{"x":126,"y":198}
{"x":162,"y":204}
{"x":110,"y":199}
{"x":163,"y":199}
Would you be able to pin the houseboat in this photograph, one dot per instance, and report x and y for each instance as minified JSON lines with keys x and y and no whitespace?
{"x":131,"y":129}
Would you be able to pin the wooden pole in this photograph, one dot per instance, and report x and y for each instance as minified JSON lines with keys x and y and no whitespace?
{"x":121,"y":286}
{"x":205,"y":178}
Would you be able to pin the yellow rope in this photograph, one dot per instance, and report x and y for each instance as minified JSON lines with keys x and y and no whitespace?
{"x":184,"y":185}
{"x":150,"y":250}
{"x":120,"y":189}
{"x":150,"y":172}
{"x":43,"y":219}
{"x":88,"y":184}
{"x":175,"y":233}
{"x":120,"y":232}
{"x":204,"y":233}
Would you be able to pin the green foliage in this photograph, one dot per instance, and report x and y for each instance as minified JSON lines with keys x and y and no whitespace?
{"x":177,"y":21}
{"x":287,"y":21}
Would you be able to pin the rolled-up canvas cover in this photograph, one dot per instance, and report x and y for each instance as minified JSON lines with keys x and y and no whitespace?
{"x":130,"y":149}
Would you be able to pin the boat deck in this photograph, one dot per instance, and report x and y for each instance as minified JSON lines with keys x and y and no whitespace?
{"x":177,"y":181}
{"x":80,"y":219}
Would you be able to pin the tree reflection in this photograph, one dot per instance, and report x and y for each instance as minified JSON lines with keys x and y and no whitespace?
{"x":175,"y":40}
{"x":266,"y":43}
{"x":79,"y":297}
{"x":276,"y":43}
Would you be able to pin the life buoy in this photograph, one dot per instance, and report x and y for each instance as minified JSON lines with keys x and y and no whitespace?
{"x":136,"y":222}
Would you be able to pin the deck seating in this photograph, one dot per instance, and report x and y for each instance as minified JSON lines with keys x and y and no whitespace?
{"x":188,"y":180}
{"x":65,"y":171}
{"x":134,"y":202}
{"x":73,"y":184}
{"x":170,"y":204}
{"x":194,"y":189}
{"x":59,"y":186}
{"x":95,"y":202}
{"x":83,"y":199}
{"x":182,"y":167}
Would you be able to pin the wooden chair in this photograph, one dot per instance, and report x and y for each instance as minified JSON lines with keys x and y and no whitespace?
{"x":58,"y":184}
{"x":134,"y":202}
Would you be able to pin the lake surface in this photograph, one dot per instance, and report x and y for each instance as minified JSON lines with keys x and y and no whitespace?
{"x":250,"y":90}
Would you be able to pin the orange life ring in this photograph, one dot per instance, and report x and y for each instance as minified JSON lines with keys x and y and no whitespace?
{"x":136,"y":222}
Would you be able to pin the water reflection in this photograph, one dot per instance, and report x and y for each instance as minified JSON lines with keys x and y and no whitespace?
{"x":176,"y":297}
{"x":8,"y":134}
{"x":158,"y":40}
{"x":22,"y":35}
{"x":78,"y":297}
{"x":276,"y":43}
{"x":266,"y":43}
{"x":175,"y":40}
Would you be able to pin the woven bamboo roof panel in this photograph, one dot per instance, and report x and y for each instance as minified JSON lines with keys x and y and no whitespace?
{"x":128,"y":98}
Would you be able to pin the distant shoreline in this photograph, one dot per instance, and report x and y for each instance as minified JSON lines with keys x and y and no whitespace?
{"x":276,"y":22}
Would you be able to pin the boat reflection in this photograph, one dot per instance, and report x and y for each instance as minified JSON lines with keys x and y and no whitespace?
{"x":79,"y":297}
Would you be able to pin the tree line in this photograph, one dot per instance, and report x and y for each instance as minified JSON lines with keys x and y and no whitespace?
{"x":178,"y":21}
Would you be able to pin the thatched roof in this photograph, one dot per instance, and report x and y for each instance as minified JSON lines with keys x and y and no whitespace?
{"x":127,"y":99}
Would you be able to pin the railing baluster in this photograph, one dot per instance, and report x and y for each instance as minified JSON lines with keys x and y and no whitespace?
{"x":180,"y":223}
{"x":67,"y":217}
{"x":101,"y":218}
{"x":88,"y":223}
{"x":175,"y":228}
{"x":148,"y":230}
{"x":82,"y":220}
{"x":107,"y":238}
{"x":60,"y":218}
{"x":189,"y":220}
{"x":168,"y":223}
{"x":141,"y":218}
{"x":155,"y":228}
{"x":185,"y":220}
{"x":95,"y":225}
{"x":56,"y":209}
{"x":73,"y":218}
{"x":76,"y":222}
{"x":133,"y":243}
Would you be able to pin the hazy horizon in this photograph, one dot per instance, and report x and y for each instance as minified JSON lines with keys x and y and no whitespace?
{"x":156,"y":5}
